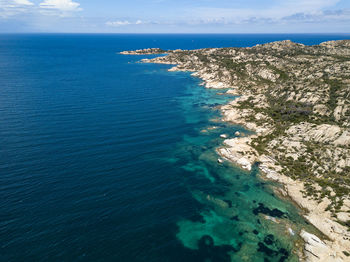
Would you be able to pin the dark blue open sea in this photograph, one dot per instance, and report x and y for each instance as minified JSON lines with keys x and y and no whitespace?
{"x":105,"y":159}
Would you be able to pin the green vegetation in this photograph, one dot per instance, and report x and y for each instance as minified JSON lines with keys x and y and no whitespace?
{"x":287,"y":112}
{"x":289,"y":84}
{"x":237,"y":68}
{"x":334,"y":87}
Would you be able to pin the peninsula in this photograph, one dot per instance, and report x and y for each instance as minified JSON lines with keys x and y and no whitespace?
{"x":296,"y":99}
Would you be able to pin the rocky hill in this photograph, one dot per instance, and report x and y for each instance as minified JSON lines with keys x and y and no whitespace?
{"x":297,"y":100}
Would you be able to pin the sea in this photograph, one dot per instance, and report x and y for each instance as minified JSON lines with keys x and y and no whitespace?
{"x":104,"y":158}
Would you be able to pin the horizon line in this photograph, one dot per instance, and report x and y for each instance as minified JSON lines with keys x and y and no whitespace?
{"x":185,"y":33}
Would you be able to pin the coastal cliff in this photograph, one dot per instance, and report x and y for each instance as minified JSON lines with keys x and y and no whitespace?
{"x":296,"y":99}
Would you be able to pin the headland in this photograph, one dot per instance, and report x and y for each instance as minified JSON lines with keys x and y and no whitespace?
{"x":296,"y":100}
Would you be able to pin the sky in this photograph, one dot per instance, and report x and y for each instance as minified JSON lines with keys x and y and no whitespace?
{"x":175,"y":16}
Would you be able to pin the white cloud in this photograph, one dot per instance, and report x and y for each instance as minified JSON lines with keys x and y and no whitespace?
{"x":119,"y":23}
{"x":60,"y":5}
{"x":62,"y":8}
{"x":275,"y":12}
{"x":322,"y":16}
{"x":13,"y":7}
{"x":23,"y":2}
{"x":280,"y":13}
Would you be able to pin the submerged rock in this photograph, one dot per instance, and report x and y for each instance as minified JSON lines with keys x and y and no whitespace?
{"x":296,"y":100}
{"x":267,"y":211}
{"x":291,"y":231}
{"x":269,"y":239}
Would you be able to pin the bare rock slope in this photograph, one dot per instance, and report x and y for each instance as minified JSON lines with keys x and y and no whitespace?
{"x":297,"y":100}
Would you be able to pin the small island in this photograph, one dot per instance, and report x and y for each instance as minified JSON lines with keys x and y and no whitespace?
{"x":296,"y":99}
{"x":148,"y":51}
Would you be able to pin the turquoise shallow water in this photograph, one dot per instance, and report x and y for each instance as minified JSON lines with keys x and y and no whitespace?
{"x":106,"y":159}
{"x":241,"y":219}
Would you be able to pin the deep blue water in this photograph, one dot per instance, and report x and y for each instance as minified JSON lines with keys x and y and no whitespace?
{"x":106,"y":159}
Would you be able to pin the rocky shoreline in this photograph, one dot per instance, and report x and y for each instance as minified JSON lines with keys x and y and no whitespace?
{"x":296,"y":100}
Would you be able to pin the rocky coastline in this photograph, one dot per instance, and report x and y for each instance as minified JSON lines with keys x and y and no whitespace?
{"x":296,"y":100}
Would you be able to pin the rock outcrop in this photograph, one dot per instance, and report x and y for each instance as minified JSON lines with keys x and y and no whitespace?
{"x":296,"y":99}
